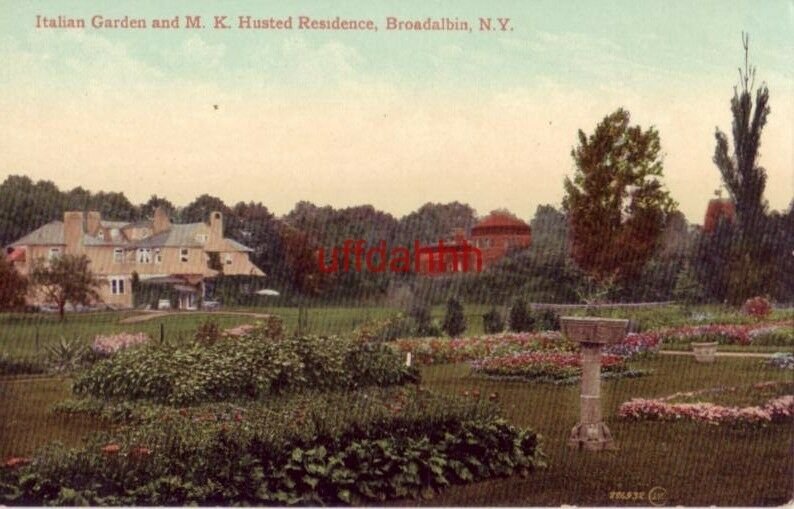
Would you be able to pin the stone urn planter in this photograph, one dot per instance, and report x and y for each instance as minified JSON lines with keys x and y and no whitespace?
{"x":592,"y":334}
{"x":705,"y":352}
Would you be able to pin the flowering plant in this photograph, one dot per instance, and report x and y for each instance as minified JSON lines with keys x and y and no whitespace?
{"x":108,"y":345}
{"x":441,"y":350}
{"x":779,"y":408}
{"x":781,"y":360}
{"x":636,"y":344}
{"x":757,"y":307}
{"x":724,"y":334}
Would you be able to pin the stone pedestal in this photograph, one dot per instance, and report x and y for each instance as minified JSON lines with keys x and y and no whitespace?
{"x":592,"y":333}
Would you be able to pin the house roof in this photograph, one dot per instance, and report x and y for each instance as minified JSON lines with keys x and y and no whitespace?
{"x":179,"y":235}
{"x":501,"y":220}
{"x":51,"y":234}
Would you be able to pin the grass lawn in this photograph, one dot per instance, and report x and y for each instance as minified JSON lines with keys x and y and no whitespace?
{"x":696,"y":464}
{"x":18,"y":332}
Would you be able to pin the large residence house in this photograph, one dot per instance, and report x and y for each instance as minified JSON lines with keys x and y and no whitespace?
{"x":178,"y":255}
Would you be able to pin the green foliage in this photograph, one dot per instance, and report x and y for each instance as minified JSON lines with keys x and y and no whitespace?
{"x":68,"y":354}
{"x":616,"y":202}
{"x":687,"y":289}
{"x":783,"y":336}
{"x":250,"y":367}
{"x":546,"y":319}
{"x":520,"y":320}
{"x":333,"y":448}
{"x":492,"y":322}
{"x":423,"y":322}
{"x":208,"y":332}
{"x":65,"y":279}
{"x":454,"y":322}
{"x":13,"y":286}
{"x":387,"y":329}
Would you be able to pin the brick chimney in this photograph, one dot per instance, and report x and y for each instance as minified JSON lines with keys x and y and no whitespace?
{"x":93,"y":222}
{"x":73,"y":231}
{"x":216,"y":225}
{"x":160,"y":222}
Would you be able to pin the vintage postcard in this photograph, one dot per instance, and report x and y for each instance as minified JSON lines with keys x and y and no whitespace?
{"x":368,"y":253}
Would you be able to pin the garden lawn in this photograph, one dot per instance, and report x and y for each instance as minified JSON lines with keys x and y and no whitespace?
{"x":696,"y":464}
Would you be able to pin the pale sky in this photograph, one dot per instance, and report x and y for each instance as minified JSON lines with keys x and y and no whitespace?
{"x":391,"y":119}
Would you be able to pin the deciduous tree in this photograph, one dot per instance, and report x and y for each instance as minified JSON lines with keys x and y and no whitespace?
{"x":616,"y":203}
{"x":65,"y":279}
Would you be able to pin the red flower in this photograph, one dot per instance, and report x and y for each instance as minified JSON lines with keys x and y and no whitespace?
{"x":111,"y":449}
{"x":238,"y":417}
{"x":140,"y":452}
{"x":16,"y":462}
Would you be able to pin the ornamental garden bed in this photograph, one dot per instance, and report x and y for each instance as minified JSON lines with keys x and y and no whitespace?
{"x":756,"y":404}
{"x":549,"y":367}
{"x":263,"y":420}
{"x":328,"y":448}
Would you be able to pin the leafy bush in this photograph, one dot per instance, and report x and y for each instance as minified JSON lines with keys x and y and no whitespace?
{"x":208,"y":332}
{"x":773,"y":336}
{"x":546,"y":319}
{"x":492,"y":322}
{"x":454,"y":321}
{"x":757,"y":307}
{"x":332,"y":448}
{"x":520,"y":319}
{"x":425,"y":327}
{"x":555,"y":367}
{"x":388,"y":329}
{"x":247,"y":368}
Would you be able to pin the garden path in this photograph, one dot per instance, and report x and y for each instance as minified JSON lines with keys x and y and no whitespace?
{"x":152,"y":315}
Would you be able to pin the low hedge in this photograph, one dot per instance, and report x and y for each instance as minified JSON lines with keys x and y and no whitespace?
{"x":330,"y":448}
{"x":249,"y":367}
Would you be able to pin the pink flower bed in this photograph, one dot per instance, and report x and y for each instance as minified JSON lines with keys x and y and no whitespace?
{"x":108,"y":345}
{"x":777,"y":409}
{"x":443,"y":350}
{"x":732,"y":334}
{"x":546,"y":365}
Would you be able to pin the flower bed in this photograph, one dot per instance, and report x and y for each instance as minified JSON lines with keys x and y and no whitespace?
{"x":441,"y":351}
{"x":108,"y":345}
{"x":723,"y":334}
{"x":550,"y":367}
{"x":781,"y":361}
{"x":777,"y":406}
{"x":358,"y":447}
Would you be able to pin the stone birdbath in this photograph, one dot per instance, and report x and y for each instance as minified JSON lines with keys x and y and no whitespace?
{"x":592,"y":334}
{"x":705,"y":352}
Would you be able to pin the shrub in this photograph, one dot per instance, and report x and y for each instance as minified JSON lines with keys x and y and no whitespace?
{"x":773,"y":336}
{"x":388,"y":329}
{"x":492,"y":322}
{"x":243,"y":368}
{"x":546,"y":319}
{"x":329,"y":449}
{"x":208,"y":332}
{"x":520,"y":320}
{"x":454,"y":321}
{"x":757,"y":307}
{"x":425,"y":327}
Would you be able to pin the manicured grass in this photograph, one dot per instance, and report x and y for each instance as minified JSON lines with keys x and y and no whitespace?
{"x":696,"y":464}
{"x":19,"y":332}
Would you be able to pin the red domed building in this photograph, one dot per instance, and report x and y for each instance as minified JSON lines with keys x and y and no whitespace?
{"x":489,"y":241}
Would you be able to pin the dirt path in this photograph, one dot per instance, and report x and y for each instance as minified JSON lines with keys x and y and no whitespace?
{"x":153,"y":315}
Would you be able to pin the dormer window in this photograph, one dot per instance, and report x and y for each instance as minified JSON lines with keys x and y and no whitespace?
{"x":202,"y":237}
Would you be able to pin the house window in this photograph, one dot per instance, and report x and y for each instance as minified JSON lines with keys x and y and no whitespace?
{"x":101,"y":235}
{"x":55,"y":252}
{"x":117,"y":285}
{"x":118,"y":255}
{"x":227,"y":258}
{"x":144,"y":255}
{"x":183,"y":255}
{"x":202,"y":237}
{"x":158,"y":256}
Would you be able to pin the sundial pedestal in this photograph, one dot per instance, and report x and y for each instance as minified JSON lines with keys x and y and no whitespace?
{"x":591,"y":433}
